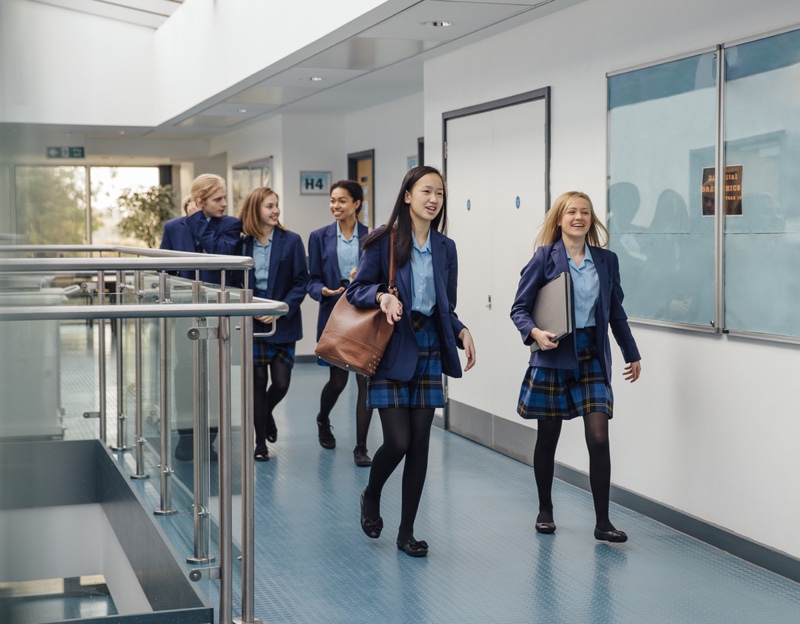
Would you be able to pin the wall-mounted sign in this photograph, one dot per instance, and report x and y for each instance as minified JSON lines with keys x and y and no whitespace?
{"x":315,"y":182}
{"x":732,"y":188}
{"x":65,"y":152}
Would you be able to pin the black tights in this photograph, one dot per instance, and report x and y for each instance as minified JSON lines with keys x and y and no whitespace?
{"x":596,"y":430}
{"x":406,"y":433}
{"x":265,"y":400}
{"x":330,"y":394}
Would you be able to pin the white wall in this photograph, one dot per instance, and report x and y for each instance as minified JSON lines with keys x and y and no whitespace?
{"x":66,"y":67}
{"x":392,"y":131}
{"x":710,"y":428}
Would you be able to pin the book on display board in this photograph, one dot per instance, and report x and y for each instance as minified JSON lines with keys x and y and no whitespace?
{"x":552,"y":310}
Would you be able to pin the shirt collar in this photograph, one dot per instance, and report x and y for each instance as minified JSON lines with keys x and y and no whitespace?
{"x":587,"y":257}
{"x":426,"y":247}
{"x":340,"y":235}
{"x":269,"y":240}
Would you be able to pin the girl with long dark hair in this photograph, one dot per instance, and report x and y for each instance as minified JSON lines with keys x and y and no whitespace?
{"x":407,"y":386}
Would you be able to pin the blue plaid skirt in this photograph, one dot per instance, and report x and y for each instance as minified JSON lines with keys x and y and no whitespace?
{"x":567,"y":393}
{"x":265,"y":353}
{"x":425,"y":388}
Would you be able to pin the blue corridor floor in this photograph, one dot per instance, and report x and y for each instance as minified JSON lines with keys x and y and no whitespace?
{"x":486,"y":562}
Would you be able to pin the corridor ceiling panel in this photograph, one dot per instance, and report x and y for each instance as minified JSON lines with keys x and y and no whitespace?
{"x":150,"y":13}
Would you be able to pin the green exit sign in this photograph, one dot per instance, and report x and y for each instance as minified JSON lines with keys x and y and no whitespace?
{"x":66,"y":152}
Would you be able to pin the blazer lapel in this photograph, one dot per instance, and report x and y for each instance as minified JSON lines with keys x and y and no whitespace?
{"x":439,"y":253}
{"x":559,"y":256}
{"x":331,"y":259}
{"x":278,"y":237}
{"x":601,"y":266}
{"x":363,"y":230}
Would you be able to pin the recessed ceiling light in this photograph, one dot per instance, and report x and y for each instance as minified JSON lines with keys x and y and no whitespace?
{"x":438,"y":24}
{"x":122,"y":132}
{"x":316,"y":79}
{"x":242,"y":110}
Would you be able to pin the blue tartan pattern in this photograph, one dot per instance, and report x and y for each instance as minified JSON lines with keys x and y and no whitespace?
{"x":425,"y":388}
{"x":265,"y":352}
{"x":567,"y":393}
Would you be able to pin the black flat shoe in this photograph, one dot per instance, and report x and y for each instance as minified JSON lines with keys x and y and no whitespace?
{"x":326,"y":439}
{"x":371,"y":527}
{"x":261,"y":455}
{"x":610,"y":536}
{"x":360,"y":457}
{"x":272,"y":431}
{"x":546,"y":527}
{"x":412,"y":547}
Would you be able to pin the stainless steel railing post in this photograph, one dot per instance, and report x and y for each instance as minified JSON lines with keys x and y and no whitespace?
{"x":202,"y":517}
{"x":101,"y":347}
{"x":225,"y":469}
{"x":248,"y":479}
{"x":122,"y":434}
{"x":137,"y":355}
{"x":164,"y":400}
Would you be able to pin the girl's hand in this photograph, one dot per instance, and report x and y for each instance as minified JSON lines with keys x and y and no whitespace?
{"x":469,"y":348}
{"x":353,"y":272}
{"x":327,"y":292}
{"x":544,"y":339}
{"x":392,"y":307}
{"x":267,"y":320}
{"x":633,"y":371}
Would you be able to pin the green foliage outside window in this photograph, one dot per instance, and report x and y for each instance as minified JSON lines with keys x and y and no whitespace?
{"x":144,"y":213}
{"x":51,"y":205}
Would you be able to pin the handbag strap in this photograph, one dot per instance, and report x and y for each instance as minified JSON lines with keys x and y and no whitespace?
{"x":392,"y":268}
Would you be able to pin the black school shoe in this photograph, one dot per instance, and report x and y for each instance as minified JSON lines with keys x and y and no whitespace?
{"x":610,"y":536}
{"x":412,"y":547}
{"x":360,"y":456}
{"x":326,"y":439}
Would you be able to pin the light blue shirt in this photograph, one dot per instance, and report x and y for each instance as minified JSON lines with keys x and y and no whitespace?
{"x":346,"y":252}
{"x":586,"y":289}
{"x":261,"y":255}
{"x":423,"y":296}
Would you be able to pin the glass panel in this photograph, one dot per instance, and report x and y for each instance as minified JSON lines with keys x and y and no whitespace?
{"x":109,"y":184}
{"x":762,"y":139}
{"x":51,"y":205}
{"x":248,"y":176}
{"x":662,"y":124}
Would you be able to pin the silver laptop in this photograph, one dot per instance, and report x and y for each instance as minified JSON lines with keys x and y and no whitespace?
{"x":552,"y":310}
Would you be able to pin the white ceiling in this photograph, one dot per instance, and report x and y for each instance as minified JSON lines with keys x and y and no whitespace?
{"x":377,"y":62}
{"x":150,"y":13}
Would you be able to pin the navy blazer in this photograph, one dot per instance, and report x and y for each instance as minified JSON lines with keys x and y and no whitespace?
{"x":400,"y":360}
{"x":288,"y":277}
{"x":323,"y":268}
{"x":218,"y":235}
{"x":548,"y":262}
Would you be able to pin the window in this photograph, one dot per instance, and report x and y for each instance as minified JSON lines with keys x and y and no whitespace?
{"x":54,"y":205}
{"x":249,"y":176}
{"x":681,"y":262}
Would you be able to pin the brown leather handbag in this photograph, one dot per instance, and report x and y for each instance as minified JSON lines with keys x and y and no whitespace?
{"x":355,"y":338}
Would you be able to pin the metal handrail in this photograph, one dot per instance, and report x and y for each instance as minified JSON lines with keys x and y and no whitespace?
{"x":136,"y":251}
{"x":164,"y":260}
{"x":181,"y":261}
{"x":259,"y":307}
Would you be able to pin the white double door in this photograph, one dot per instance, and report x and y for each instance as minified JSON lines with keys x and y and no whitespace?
{"x":496,"y":178}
